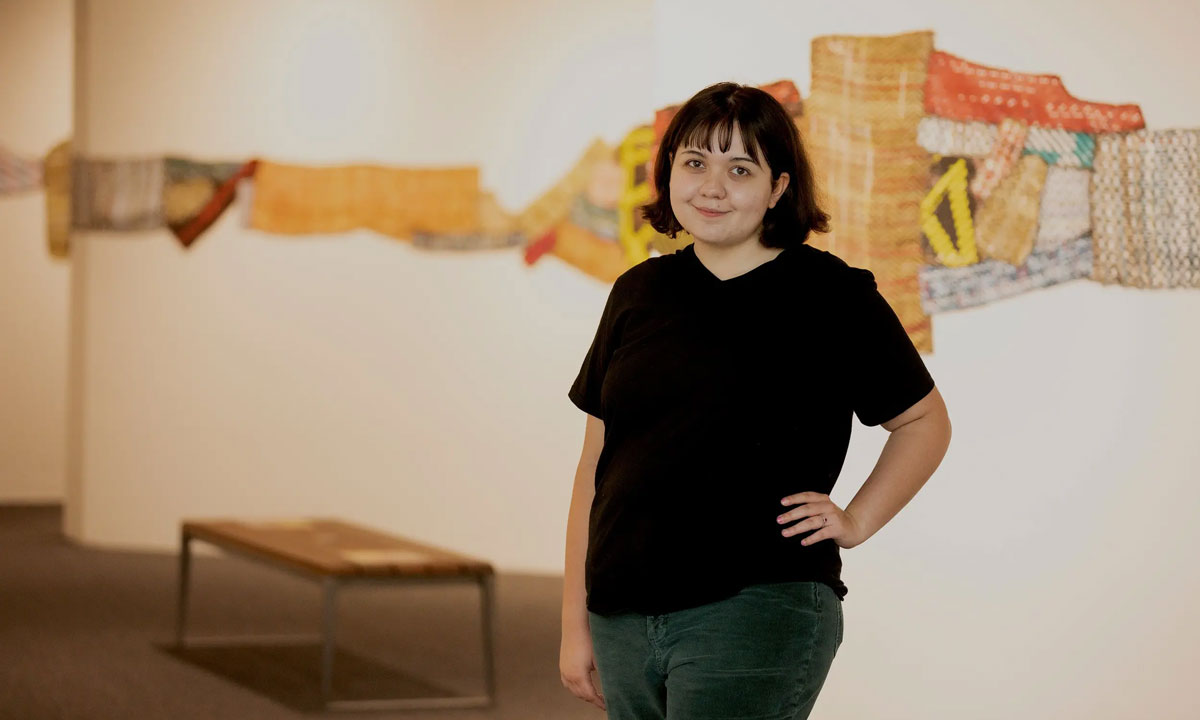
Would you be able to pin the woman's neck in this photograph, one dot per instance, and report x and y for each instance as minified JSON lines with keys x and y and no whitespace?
{"x":727,"y":261}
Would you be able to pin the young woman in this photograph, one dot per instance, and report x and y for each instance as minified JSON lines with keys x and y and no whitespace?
{"x":702,"y":573}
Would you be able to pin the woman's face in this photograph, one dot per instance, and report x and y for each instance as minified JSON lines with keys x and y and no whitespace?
{"x":721,"y":197}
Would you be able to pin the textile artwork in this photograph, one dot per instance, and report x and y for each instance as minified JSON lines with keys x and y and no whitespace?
{"x":1146,"y":209}
{"x":862,"y":117}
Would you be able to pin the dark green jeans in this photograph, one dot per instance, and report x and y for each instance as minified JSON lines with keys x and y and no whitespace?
{"x":762,"y":654}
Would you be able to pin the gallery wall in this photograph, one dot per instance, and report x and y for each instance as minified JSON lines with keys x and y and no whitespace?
{"x":35,"y":114}
{"x":351,"y":375}
{"x":1047,"y":569}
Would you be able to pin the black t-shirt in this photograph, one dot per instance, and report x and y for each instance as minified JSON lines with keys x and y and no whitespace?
{"x":719,"y":398}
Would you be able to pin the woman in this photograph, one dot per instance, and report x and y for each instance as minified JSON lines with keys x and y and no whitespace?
{"x":702,"y":573}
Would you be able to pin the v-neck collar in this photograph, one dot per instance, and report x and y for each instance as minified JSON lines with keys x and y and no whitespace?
{"x":701,"y":270}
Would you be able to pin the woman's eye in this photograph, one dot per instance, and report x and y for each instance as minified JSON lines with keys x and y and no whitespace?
{"x":741,"y":171}
{"x":694,"y":163}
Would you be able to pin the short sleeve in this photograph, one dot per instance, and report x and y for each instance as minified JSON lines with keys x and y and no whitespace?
{"x":585,"y":392}
{"x":887,"y":374}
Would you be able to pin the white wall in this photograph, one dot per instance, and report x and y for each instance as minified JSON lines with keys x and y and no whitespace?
{"x":261,"y":375}
{"x":35,"y":115}
{"x":1048,"y":569}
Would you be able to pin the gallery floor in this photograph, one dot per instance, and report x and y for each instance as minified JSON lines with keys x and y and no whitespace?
{"x":85,"y":634}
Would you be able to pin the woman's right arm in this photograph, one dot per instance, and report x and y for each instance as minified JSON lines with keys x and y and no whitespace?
{"x":576,"y":660}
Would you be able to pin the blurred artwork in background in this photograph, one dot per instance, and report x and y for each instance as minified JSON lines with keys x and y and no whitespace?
{"x":956,"y":184}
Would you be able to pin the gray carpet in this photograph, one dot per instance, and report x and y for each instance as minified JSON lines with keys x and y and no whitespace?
{"x":87,"y":634}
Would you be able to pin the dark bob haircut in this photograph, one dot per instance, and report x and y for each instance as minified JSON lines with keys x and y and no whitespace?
{"x":769,"y":134}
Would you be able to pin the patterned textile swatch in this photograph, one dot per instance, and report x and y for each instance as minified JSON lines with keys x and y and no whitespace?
{"x":57,"y":176}
{"x":1062,"y":147}
{"x":963,"y":90}
{"x":599,"y":257}
{"x":944,"y":288}
{"x":296,"y":200}
{"x":944,"y":136}
{"x":599,"y":221}
{"x":554,"y":206}
{"x":867,"y":101}
{"x":1010,"y":141}
{"x":497,"y":229}
{"x":1146,"y":209}
{"x":604,"y":187}
{"x":1006,"y":225}
{"x":120,"y":195}
{"x":18,"y":174}
{"x":948,"y":213}
{"x":477,"y":241}
{"x":636,"y":158}
{"x":1065,"y":212}
{"x":196,"y":194}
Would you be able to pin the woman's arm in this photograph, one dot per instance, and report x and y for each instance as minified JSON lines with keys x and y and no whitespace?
{"x":576,"y":659}
{"x":574,"y":608}
{"x":918,"y":442}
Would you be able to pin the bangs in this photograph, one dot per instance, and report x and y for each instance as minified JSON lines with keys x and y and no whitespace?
{"x":703,"y":129}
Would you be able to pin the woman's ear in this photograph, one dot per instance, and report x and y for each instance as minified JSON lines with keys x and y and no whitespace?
{"x":781,"y":184}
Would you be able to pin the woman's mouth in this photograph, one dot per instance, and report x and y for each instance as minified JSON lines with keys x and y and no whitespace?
{"x":710,"y":213}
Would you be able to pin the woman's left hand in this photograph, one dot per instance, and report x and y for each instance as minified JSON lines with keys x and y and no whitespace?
{"x":817,"y":512}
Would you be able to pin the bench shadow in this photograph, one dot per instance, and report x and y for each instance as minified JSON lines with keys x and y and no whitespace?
{"x":290,"y":673}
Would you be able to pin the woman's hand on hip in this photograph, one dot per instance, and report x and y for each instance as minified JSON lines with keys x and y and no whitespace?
{"x":816,"y":512}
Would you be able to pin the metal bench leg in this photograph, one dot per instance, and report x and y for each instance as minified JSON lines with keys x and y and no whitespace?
{"x":185,"y":581}
{"x":489,"y":658}
{"x":328,"y":629}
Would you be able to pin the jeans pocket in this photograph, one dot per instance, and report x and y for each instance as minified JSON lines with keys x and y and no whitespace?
{"x":841,"y":624}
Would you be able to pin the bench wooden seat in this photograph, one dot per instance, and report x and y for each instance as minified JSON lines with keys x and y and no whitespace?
{"x":337,"y":553}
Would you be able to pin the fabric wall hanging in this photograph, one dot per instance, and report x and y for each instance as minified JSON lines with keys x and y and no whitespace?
{"x":18,"y":174}
{"x":554,"y":205}
{"x":991,"y":169}
{"x":1065,"y":212}
{"x":599,"y":257}
{"x":295,"y":200}
{"x":943,"y":136}
{"x":945,"y":288}
{"x":867,"y":101}
{"x":195,"y":194}
{"x":1064,"y":148}
{"x":1146,"y":209}
{"x":963,"y":90}
{"x":1006,"y":225}
{"x":497,"y":229}
{"x":119,"y":195}
{"x":57,"y":176}
{"x":596,"y":220}
{"x":948,"y":213}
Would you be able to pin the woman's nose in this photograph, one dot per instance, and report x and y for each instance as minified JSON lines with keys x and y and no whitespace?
{"x":712,"y":187}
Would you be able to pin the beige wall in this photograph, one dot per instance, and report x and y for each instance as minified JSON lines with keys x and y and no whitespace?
{"x":1048,"y":570}
{"x":259,"y":375}
{"x":35,"y":114}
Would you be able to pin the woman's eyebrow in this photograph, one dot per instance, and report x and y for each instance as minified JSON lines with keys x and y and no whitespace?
{"x":739,"y":158}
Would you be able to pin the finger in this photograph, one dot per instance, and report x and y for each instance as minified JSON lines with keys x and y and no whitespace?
{"x":807,"y":510}
{"x":818,"y":536}
{"x":803,"y":497}
{"x":816,"y":522}
{"x":585,"y":690}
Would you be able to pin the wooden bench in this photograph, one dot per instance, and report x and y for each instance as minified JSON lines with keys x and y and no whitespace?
{"x":336,"y":554}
